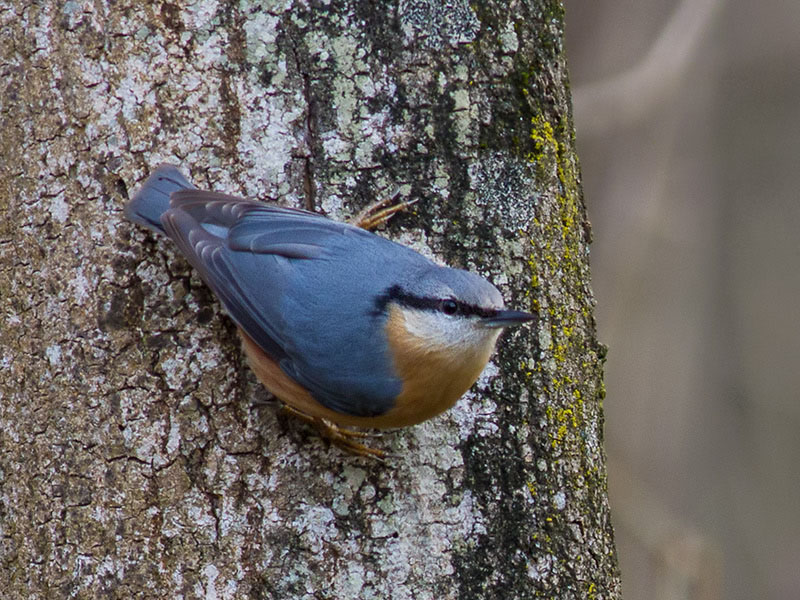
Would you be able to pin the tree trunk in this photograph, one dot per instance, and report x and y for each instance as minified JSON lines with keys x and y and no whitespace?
{"x":138,"y":457}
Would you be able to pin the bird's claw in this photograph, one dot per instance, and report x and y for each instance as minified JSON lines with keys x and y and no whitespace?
{"x":346,"y":439}
{"x":375,"y":214}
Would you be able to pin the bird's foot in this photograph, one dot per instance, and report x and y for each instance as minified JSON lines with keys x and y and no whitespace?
{"x":375,"y":214}
{"x":346,"y":439}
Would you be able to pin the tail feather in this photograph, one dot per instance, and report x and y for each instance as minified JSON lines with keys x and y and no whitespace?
{"x":152,"y":200}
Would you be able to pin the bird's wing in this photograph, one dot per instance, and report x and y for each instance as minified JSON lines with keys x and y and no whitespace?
{"x":285,"y":277}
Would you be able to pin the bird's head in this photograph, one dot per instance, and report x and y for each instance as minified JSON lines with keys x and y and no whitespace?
{"x":452,"y":310}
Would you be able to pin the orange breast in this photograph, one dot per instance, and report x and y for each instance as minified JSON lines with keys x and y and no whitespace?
{"x":434,"y":377}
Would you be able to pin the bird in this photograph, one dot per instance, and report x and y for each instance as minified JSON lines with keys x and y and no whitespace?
{"x":347,"y":328}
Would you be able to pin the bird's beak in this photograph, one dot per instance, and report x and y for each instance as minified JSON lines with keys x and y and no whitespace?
{"x":507,"y":318}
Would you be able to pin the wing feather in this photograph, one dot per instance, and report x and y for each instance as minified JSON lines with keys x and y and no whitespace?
{"x":286,"y":277}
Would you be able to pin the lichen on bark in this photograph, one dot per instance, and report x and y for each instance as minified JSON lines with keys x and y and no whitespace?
{"x":137,"y":451}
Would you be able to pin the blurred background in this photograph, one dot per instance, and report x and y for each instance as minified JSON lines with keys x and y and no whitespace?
{"x":688,"y":130}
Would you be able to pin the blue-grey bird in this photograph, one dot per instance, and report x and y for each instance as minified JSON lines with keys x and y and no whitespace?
{"x":337,"y":322}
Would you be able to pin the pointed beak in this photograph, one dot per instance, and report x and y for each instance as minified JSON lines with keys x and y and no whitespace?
{"x":507,"y":318}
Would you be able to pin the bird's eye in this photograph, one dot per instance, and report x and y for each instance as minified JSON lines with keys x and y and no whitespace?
{"x":449,"y":307}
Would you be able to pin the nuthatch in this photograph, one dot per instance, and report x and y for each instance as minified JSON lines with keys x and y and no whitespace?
{"x":343,"y":326}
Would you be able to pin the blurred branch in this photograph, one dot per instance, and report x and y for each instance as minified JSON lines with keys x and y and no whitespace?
{"x":635,"y":93}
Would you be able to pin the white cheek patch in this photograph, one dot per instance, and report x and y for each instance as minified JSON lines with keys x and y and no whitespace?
{"x":425,"y":325}
{"x":439,"y":331}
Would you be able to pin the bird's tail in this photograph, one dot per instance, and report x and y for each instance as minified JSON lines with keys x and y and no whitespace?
{"x":152,"y":200}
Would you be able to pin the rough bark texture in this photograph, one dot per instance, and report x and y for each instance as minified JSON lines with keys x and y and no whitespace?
{"x":137,"y":457}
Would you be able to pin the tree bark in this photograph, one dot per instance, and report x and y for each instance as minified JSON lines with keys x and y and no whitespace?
{"x":138,"y":457}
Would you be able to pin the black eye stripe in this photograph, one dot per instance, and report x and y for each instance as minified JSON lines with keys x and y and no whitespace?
{"x":449,"y":306}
